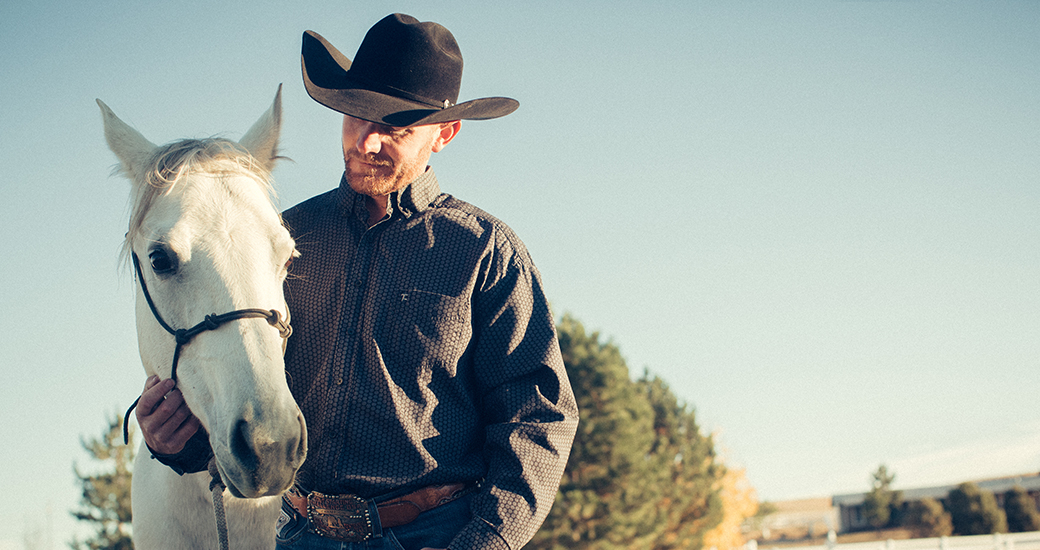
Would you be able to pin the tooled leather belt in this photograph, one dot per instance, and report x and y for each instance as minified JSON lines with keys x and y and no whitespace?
{"x":348,"y":518}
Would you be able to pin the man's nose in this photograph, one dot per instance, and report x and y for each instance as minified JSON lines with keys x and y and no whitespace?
{"x":369,"y":139}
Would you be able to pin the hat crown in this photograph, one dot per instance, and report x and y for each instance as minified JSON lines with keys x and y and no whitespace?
{"x":421,"y":59}
{"x":405,"y":73}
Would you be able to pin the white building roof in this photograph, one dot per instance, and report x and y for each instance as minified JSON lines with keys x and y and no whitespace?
{"x":1029,"y":482}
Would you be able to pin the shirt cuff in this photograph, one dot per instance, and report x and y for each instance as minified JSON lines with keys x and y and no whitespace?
{"x":193,"y":458}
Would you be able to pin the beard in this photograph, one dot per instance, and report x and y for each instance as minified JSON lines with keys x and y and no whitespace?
{"x":375,"y":175}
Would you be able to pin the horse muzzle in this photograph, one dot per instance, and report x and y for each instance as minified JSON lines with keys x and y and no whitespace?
{"x":259,"y":461}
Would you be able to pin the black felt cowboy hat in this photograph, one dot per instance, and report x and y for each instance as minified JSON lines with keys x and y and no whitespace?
{"x":405,"y":73}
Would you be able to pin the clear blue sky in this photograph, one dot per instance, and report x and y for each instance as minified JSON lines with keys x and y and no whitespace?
{"x":818,"y":220}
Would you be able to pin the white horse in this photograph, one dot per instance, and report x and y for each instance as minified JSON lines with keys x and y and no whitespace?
{"x":210,"y":241}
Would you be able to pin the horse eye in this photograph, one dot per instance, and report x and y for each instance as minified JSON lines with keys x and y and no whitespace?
{"x":161,"y":261}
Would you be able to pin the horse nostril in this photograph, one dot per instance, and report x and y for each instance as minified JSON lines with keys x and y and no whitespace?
{"x":296,"y":450}
{"x":241,"y":446}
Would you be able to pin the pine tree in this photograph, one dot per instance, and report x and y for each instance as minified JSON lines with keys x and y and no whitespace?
{"x":597,"y":505}
{"x":974,"y":512}
{"x":879,"y":502}
{"x":690,"y":479}
{"x":639,"y":468}
{"x":1021,"y":512}
{"x":105,"y":503}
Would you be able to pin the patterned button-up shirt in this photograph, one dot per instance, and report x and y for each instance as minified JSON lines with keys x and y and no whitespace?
{"x":424,"y":352}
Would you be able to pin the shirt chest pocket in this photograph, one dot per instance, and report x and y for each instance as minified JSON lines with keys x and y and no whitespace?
{"x":425,"y":329}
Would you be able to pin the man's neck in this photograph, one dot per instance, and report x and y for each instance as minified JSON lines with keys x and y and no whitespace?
{"x":376,"y":204}
{"x":376,"y":208}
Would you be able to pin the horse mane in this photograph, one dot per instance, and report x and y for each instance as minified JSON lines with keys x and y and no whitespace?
{"x":172,"y":161}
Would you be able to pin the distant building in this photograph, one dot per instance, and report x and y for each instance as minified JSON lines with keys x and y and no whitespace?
{"x":805,"y":519}
{"x":850,"y":506}
{"x":797,"y":520}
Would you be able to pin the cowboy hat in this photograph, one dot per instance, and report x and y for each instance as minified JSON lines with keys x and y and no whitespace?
{"x":405,"y":73}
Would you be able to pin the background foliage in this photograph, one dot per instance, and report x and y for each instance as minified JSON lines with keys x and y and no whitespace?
{"x":1021,"y":512}
{"x":105,"y":502}
{"x":974,"y":512}
{"x":641,"y":474}
{"x":927,"y":518}
{"x":881,"y":501}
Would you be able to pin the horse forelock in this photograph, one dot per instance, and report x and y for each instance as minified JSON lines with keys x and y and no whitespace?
{"x":173,"y":161}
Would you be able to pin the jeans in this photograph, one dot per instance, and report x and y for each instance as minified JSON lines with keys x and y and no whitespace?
{"x":434,"y":528}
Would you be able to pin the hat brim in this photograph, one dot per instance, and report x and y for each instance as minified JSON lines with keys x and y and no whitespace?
{"x":326,"y":76}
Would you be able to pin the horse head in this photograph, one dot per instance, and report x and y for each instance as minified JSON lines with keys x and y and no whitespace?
{"x":209,"y":240}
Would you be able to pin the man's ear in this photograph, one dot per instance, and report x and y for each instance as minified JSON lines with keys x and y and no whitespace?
{"x":448,"y":131}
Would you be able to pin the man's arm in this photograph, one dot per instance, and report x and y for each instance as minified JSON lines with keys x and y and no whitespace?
{"x":528,"y":404}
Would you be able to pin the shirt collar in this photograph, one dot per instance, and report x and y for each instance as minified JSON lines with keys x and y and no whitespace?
{"x":414,"y":198}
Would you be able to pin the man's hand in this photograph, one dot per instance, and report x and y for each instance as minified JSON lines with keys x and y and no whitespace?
{"x":165,"y":420}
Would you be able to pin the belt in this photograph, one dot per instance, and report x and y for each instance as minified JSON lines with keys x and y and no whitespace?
{"x":348,"y":518}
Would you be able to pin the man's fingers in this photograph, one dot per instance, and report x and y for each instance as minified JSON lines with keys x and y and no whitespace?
{"x":186,"y":430}
{"x":151,"y":381}
{"x":173,"y":410}
{"x":170,"y":424}
{"x":170,"y":405}
{"x":178,"y":430}
{"x":165,"y":419}
{"x":154,"y":392}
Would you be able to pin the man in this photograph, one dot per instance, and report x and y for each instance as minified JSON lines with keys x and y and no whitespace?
{"x":424,"y":356}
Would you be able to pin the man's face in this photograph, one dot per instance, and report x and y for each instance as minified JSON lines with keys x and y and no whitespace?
{"x":382,"y":159}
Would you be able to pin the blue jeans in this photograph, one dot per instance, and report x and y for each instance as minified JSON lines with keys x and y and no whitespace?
{"x":434,"y":528}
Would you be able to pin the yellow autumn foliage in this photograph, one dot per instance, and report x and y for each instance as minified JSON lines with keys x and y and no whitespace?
{"x":739,"y":502}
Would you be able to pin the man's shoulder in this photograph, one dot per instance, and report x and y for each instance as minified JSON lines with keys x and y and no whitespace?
{"x":479,"y":221}
{"x":316,"y":205}
{"x":450,"y":205}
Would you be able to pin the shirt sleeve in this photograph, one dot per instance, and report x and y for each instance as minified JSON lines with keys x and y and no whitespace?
{"x":194,"y":457}
{"x":527,"y":402}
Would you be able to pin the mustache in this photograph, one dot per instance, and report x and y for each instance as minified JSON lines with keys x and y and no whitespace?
{"x":371,"y":158}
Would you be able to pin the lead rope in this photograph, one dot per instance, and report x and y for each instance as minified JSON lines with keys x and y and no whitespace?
{"x":216,"y":485}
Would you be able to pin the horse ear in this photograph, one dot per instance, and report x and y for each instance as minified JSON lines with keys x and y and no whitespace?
{"x":262,"y":139}
{"x":132,"y":149}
